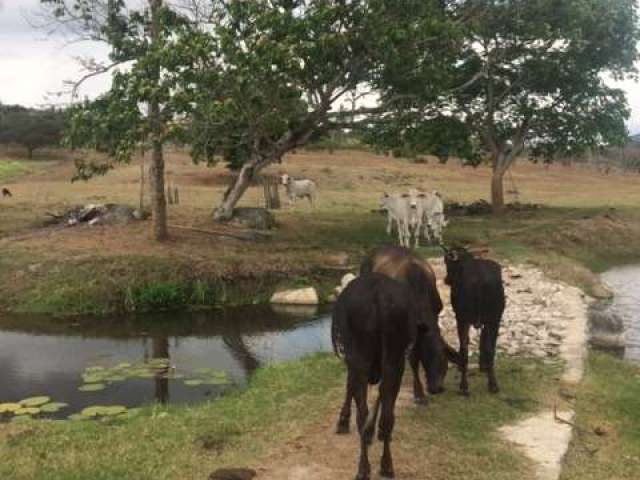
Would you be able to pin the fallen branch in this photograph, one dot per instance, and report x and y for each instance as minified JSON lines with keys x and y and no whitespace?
{"x":245,"y":236}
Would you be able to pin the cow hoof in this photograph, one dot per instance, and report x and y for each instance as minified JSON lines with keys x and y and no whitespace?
{"x":493,"y":389}
{"x":464,"y":393}
{"x":362,"y":477}
{"x":342,"y":428}
{"x":386,"y":474}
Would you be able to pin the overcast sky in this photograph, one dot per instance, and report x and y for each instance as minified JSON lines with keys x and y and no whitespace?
{"x":33,"y":66}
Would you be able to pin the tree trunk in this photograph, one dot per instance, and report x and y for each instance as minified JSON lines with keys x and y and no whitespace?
{"x":158,"y":200}
{"x":497,"y":189}
{"x":235,"y":192}
{"x":30,"y":152}
{"x":142,"y":183}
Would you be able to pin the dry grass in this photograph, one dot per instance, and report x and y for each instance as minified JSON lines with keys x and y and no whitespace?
{"x":350,"y":184}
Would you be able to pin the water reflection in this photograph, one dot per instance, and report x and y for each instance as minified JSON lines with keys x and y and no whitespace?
{"x":44,"y":356}
{"x":625,"y":283}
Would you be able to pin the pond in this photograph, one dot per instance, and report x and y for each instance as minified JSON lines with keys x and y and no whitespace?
{"x":168,"y":357}
{"x":625,"y":284}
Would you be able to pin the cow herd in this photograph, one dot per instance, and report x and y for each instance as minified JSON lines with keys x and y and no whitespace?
{"x":392,"y":309}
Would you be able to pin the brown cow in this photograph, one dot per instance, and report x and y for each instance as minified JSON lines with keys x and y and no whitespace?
{"x":430,"y":347}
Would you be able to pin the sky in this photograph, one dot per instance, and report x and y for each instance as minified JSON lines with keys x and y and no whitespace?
{"x":34,"y":65}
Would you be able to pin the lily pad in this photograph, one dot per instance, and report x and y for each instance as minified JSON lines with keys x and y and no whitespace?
{"x":77,"y":417}
{"x":27,"y":411}
{"x":94,"y":369}
{"x":113,"y":410}
{"x":9,"y":407}
{"x":92,"y":378}
{"x":34,"y":401}
{"x":116,"y":378}
{"x":123,"y":365}
{"x":92,"y":387}
{"x":21,"y":419}
{"x":53,"y":407}
{"x":193,"y":382}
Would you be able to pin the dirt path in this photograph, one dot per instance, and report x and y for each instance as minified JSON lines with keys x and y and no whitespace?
{"x":320,"y":454}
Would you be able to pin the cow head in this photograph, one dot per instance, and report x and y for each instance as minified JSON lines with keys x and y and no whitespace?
{"x":453,"y":258}
{"x":285,"y":179}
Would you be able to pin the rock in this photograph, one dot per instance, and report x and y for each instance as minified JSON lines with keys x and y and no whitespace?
{"x":300,"y":296}
{"x":254,"y":218}
{"x":347,"y":279}
{"x":607,"y":341}
{"x":601,"y":292}
{"x":605,"y":321}
{"x":233,"y":474}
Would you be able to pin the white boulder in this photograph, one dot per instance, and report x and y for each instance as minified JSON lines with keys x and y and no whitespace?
{"x":300,"y":296}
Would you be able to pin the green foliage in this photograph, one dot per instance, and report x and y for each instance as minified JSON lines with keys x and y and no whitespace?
{"x":157,"y":296}
{"x":507,"y":75}
{"x":30,"y":128}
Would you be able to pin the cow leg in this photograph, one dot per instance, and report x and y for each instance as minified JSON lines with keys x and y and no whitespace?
{"x":463,"y":337}
{"x":389,"y":388}
{"x":419,"y":396}
{"x":362,"y":411}
{"x":488,"y":340}
{"x":344,"y":419}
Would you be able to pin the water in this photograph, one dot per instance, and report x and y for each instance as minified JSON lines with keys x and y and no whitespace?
{"x":44,"y":356}
{"x":625,"y":284}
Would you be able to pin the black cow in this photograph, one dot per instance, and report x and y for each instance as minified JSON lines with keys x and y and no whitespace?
{"x":375,"y":320}
{"x":477,"y":297}
{"x":395,"y":262}
{"x":6,"y":192}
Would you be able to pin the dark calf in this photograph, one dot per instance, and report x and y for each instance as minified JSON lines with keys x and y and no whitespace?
{"x":477,"y":297}
{"x":429,"y":350}
{"x":375,"y":321}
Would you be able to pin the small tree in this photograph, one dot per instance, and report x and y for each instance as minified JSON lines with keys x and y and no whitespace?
{"x":268,"y":78}
{"x":32,"y":129}
{"x":142,"y":102}
{"x":518,"y":73}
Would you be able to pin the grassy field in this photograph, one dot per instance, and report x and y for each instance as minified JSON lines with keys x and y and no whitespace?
{"x":279,"y":422}
{"x":587,"y":222}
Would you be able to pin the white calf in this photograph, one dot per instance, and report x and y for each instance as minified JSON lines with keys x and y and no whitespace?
{"x":299,"y":189}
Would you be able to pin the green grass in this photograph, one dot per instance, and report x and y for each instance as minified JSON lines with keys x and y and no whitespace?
{"x":608,"y":400}
{"x":455,"y":435}
{"x":10,"y":169}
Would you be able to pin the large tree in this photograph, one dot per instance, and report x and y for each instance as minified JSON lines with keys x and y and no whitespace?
{"x":269,"y":77}
{"x":520,"y":76}
{"x":147,"y":51}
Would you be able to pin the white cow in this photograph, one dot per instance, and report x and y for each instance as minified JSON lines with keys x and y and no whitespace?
{"x":398,"y":208}
{"x":431,"y":209}
{"x":299,"y":189}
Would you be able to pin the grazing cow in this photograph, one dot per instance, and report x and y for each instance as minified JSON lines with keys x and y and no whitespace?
{"x":398,"y":208}
{"x":6,"y":192}
{"x":429,"y":213}
{"x":477,"y":297}
{"x":299,"y":189}
{"x":430,"y":350}
{"x":375,"y":320}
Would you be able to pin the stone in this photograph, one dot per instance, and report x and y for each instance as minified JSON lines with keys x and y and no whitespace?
{"x":607,"y":341}
{"x":601,"y":320}
{"x":253,"y":217}
{"x":300,"y":296}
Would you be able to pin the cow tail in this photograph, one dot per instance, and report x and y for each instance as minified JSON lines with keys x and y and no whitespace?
{"x":339,"y":329}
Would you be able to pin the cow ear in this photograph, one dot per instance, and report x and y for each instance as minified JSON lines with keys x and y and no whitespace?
{"x":437,"y":194}
{"x":405,"y":195}
{"x":421,"y":195}
{"x":385,"y":194}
